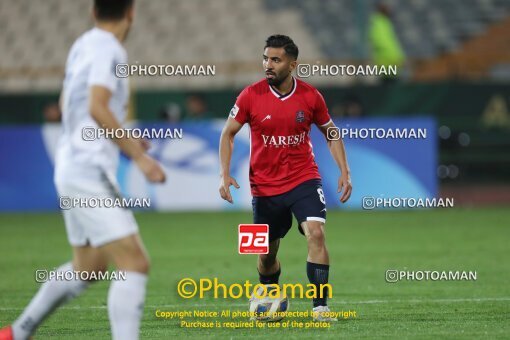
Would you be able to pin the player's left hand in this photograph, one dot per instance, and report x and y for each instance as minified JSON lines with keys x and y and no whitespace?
{"x":225,"y":183}
{"x":344,"y":187}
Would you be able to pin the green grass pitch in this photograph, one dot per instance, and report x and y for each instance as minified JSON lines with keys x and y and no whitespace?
{"x":362,"y":245}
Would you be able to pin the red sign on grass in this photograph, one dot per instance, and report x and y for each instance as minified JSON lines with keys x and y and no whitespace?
{"x":253,"y":239}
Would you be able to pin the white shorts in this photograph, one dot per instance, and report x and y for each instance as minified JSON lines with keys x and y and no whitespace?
{"x":99,"y":225}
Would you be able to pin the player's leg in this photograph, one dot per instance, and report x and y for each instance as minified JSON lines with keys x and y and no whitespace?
{"x":317,"y":268}
{"x":126,"y":298}
{"x":115,"y":232}
{"x":309,"y":207}
{"x":317,"y":263}
{"x":268,"y":265}
{"x":273,"y":212}
{"x":57,"y":290}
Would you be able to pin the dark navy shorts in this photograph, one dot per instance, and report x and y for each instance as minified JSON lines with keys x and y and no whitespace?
{"x":306,"y":202}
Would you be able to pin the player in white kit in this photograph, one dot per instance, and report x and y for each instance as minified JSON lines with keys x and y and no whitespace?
{"x":93,"y":96}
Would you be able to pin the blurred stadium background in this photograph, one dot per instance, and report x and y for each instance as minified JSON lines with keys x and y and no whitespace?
{"x":454,"y":80}
{"x":454,"y":68}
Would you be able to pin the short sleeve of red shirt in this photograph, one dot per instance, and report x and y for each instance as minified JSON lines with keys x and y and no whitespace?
{"x":320,"y":113}
{"x":241,"y":109}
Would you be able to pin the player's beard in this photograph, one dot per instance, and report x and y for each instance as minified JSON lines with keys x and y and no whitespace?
{"x":276,"y":80}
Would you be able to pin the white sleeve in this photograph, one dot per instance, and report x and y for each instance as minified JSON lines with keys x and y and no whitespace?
{"x":102,"y":69}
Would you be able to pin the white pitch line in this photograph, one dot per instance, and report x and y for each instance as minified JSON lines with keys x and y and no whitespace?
{"x":184,"y":306}
{"x":431,"y":300}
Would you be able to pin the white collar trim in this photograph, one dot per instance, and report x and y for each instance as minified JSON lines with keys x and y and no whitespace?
{"x":285,"y":96}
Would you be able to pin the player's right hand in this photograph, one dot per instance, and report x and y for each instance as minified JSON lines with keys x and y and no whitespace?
{"x":150,"y":168}
{"x":225,"y":183}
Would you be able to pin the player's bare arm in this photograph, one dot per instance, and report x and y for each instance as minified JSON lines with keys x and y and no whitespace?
{"x":134,"y":149}
{"x":337,"y":149}
{"x":230,"y":129}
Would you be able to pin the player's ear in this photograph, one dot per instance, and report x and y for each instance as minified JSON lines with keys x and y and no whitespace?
{"x":93,"y":13}
{"x":293,"y":65}
{"x":131,"y":13}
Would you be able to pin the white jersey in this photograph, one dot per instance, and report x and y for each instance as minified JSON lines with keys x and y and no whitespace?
{"x":91,"y":61}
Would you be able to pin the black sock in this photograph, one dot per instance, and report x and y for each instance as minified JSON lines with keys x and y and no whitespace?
{"x":318,"y":274}
{"x":271,"y":278}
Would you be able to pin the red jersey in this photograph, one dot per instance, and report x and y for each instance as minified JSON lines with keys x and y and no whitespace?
{"x":281,"y":150}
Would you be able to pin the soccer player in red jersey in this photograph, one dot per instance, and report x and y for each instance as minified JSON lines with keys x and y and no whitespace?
{"x":284,"y":177}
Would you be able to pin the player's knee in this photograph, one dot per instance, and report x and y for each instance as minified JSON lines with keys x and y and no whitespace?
{"x":142,"y":264}
{"x":315,"y":234}
{"x":133,"y":261}
{"x":145,"y":267}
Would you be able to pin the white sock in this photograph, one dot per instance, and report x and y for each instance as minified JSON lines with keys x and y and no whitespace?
{"x":125,"y":305}
{"x":51,"y":295}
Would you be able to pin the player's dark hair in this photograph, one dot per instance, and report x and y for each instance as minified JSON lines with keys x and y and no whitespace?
{"x":111,"y":9}
{"x":279,"y":40}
